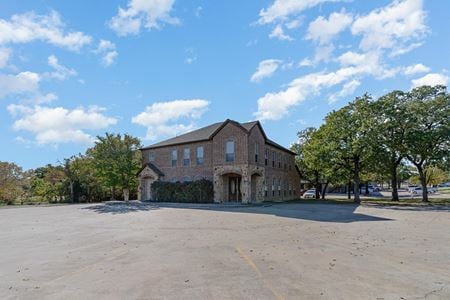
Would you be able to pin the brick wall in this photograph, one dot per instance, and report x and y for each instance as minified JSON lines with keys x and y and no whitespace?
{"x":163,"y":161}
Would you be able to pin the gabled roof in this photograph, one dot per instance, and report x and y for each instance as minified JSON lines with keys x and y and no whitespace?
{"x":152,"y":167}
{"x":208,"y":132}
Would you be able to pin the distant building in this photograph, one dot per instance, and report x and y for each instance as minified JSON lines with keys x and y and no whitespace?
{"x":244,"y":165}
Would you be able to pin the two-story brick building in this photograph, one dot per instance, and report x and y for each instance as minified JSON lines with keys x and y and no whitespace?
{"x":244,"y":165}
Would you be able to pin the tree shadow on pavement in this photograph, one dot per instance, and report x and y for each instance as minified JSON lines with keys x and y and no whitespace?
{"x":409,"y":207}
{"x":334,"y":213}
{"x":120,"y":207}
{"x":340,"y":213}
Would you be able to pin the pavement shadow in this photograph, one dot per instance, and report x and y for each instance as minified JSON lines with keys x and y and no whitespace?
{"x":341,"y":213}
{"x":333,"y":213}
{"x":119,"y":207}
{"x":408,"y":207}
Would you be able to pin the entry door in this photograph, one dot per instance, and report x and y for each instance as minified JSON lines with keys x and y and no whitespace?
{"x":148,"y":189}
{"x":234,"y":189}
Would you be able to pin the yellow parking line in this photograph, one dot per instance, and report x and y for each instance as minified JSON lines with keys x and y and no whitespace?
{"x":252,"y":264}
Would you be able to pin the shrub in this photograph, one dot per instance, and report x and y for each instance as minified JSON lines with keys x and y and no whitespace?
{"x":200,"y":191}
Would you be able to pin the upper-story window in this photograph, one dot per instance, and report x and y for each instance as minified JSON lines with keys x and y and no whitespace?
{"x":200,"y":155}
{"x":266,"y":156}
{"x":274,"y":155}
{"x":151,"y":156}
{"x":186,"y":157}
{"x":173,"y":156}
{"x":279,"y":160}
{"x":256,"y":151}
{"x":229,"y":151}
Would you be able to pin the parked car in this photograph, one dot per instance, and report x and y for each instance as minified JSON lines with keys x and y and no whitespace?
{"x":418,"y":190}
{"x":310,"y":194}
{"x":411,"y":188}
{"x":415,"y":190}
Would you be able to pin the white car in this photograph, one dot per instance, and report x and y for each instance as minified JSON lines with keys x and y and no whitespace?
{"x":309,"y":194}
{"x":418,"y":190}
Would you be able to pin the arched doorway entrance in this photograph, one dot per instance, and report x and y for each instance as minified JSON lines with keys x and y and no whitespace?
{"x":232,"y":187}
{"x":147,"y":188}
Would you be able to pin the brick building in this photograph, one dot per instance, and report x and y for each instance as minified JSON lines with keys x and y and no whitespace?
{"x":244,"y":165}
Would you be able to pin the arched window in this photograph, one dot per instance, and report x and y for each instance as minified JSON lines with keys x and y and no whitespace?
{"x":229,"y":151}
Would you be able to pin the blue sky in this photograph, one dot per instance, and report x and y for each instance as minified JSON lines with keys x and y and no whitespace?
{"x":70,"y":70}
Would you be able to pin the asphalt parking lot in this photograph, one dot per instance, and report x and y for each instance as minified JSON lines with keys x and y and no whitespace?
{"x":284,"y":251}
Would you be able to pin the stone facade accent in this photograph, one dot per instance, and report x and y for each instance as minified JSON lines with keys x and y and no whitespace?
{"x":146,"y":177}
{"x":260,"y":177}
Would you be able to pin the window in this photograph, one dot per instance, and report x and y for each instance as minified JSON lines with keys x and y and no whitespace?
{"x":273,"y":159}
{"x":279,"y":186}
{"x":256,"y":152}
{"x":151,"y":156}
{"x":229,"y":151}
{"x":274,"y":182}
{"x":279,"y":160}
{"x":200,"y":156}
{"x":174,"y":158}
{"x":290,"y":189}
{"x":186,"y":157}
{"x":265,"y":186}
{"x":266,"y":156}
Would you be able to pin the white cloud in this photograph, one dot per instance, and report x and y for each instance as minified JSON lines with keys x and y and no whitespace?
{"x":280,"y":10}
{"x":5,"y":53}
{"x":322,"y":53}
{"x":278,"y":33}
{"x":170,"y":118}
{"x":56,"y":125}
{"x":347,"y":90}
{"x":109,"y":58}
{"x":28,"y":27}
{"x":431,"y":79}
{"x":108,"y":51}
{"x":273,"y":106}
{"x":416,"y":69}
{"x":391,"y":27}
{"x":190,"y":52}
{"x":22,"y":83}
{"x":105,"y":45}
{"x":322,"y":30}
{"x":61,"y":72}
{"x":142,"y":13}
{"x":265,"y":69}
{"x":351,"y":58}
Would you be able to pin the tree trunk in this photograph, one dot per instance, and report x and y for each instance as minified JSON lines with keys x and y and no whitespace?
{"x":113,"y":192}
{"x":367,"y":188}
{"x":317,"y":185}
{"x":356,"y":182}
{"x":394,"y":183}
{"x":126,"y":195}
{"x":324,"y":190}
{"x":71,"y":192}
{"x":423,"y":182}
{"x":349,"y":192}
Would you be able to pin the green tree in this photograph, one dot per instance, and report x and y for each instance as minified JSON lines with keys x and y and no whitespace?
{"x":388,"y":135}
{"x":48,"y":183}
{"x":345,"y":135}
{"x":428,"y":129}
{"x":11,"y":180}
{"x":117,"y":159}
